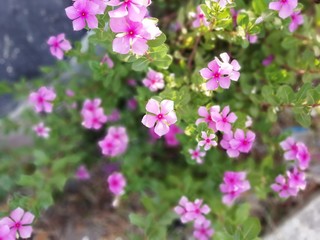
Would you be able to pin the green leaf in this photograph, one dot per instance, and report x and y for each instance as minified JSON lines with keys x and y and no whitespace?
{"x":158,"y":41}
{"x":242,"y":213}
{"x":302,"y":116}
{"x":259,"y":6}
{"x":141,"y":64}
{"x":250,"y":229}
{"x":137,"y":220}
{"x":302,"y":94}
{"x":285,"y":94}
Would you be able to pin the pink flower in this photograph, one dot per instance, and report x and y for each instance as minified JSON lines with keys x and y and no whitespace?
{"x":234,"y":185}
{"x":131,"y":82}
{"x":91,"y":105}
{"x":42,"y":99}
{"x":5,"y":233}
{"x":132,"y":104}
{"x":133,"y":36}
{"x":58,"y":45}
{"x":70,"y":93}
{"x":206,"y":116}
{"x":200,"y":20}
{"x":115,"y":142}
{"x":233,"y":66}
{"x":197,"y":155}
{"x":107,"y":60}
{"x":207,"y":141}
{"x":83,"y":12}
{"x":82,"y":173}
{"x":224,"y":119}
{"x":154,"y":81}
{"x":161,"y":115}
{"x":284,"y":7}
{"x":268,"y":60}
{"x":242,"y":142}
{"x":203,"y":231}
{"x":41,"y":130}
{"x":117,"y":183}
{"x":182,"y":211}
{"x":19,"y":221}
{"x":234,"y":14}
{"x":252,"y":38}
{"x":283,"y":188}
{"x":297,"y":179}
{"x":114,"y":116}
{"x":92,"y":114}
{"x":223,"y":3}
{"x":296,"y":20}
{"x":225,"y":144}
{"x":303,"y":156}
{"x":136,"y":10}
{"x":170,"y":138}
{"x":290,"y":146}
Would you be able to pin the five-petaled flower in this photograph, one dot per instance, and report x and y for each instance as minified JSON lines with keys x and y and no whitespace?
{"x":82,"y":173}
{"x":58,"y":45}
{"x":206,"y":116}
{"x":200,"y":19}
{"x":284,"y":189}
{"x":207,"y":141}
{"x":224,"y":119}
{"x":42,"y":99}
{"x":117,"y":183}
{"x":203,"y":230}
{"x":284,"y":7}
{"x":154,"y":81}
{"x":41,"y":130}
{"x":197,"y":155}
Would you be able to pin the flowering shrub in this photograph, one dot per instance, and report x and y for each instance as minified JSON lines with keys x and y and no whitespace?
{"x":221,"y":145}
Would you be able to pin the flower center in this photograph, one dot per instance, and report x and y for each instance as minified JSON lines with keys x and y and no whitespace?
{"x":245,"y":142}
{"x":216,"y":75}
{"x":283,"y":1}
{"x":196,"y":154}
{"x":160,"y":116}
{"x":17,"y":225}
{"x":83,"y":13}
{"x":224,"y":120}
{"x":201,"y":15}
{"x":40,"y":99}
{"x":208,"y":140}
{"x":131,"y":33}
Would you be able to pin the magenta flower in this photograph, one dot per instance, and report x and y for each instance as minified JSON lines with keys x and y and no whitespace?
{"x":91,"y":105}
{"x":206,"y":116}
{"x":136,"y":10}
{"x":58,"y":45}
{"x":117,"y":183}
{"x":42,"y":99}
{"x":225,"y":144}
{"x":200,"y":19}
{"x":207,"y":141}
{"x":223,"y":3}
{"x":282,"y":187}
{"x":296,"y":20}
{"x":296,"y":179}
{"x":182,"y":211}
{"x":284,"y":7}
{"x":94,"y":119}
{"x":268,"y":60}
{"x":107,"y":60}
{"x":290,"y":147}
{"x":242,"y":142}
{"x":224,"y":119}
{"x":154,"y":81}
{"x":82,"y":173}
{"x":132,"y":36}
{"x":161,"y":115}
{"x":19,"y":222}
{"x":83,"y":12}
{"x":41,"y":130}
{"x":233,"y":67}
{"x":203,"y":231}
{"x":234,"y":184}
{"x":197,"y":155}
{"x":170,"y":138}
{"x":303,"y":156}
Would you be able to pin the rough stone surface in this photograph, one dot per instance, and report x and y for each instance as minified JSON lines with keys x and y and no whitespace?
{"x":25,"y":28}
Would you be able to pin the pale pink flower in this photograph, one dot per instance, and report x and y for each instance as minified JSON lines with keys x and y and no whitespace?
{"x":206,"y":116}
{"x":82,"y":173}
{"x":91,"y":105}
{"x":268,"y":60}
{"x":41,"y":130}
{"x":83,"y":12}
{"x":197,"y":155}
{"x":225,"y":144}
{"x":154,"y":81}
{"x":101,"y":3}
{"x":136,"y":10}
{"x":93,"y":119}
{"x":42,"y":99}
{"x":303,"y":156}
{"x":133,"y":36}
{"x":297,"y":179}
{"x":223,"y":3}
{"x":132,"y":104}
{"x":207,"y":141}
{"x":161,"y":115}
{"x":248,"y":122}
{"x":19,"y":222}
{"x":296,"y":20}
{"x":107,"y":60}
{"x":5,"y":233}
{"x":284,"y":7}
{"x":200,"y":19}
{"x":234,"y":184}
{"x":241,"y":141}
{"x":58,"y":45}
{"x":233,"y":67}
{"x":252,"y":38}
{"x":182,"y":211}
{"x":290,"y":147}
{"x":282,"y":187}
{"x":117,"y":183}
{"x":70,"y":93}
{"x":224,"y":119}
{"x":203,"y":230}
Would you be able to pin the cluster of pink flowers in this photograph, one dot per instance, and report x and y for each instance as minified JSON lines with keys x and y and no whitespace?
{"x":42,"y":99}
{"x":296,"y":179}
{"x":82,"y":173}
{"x":286,"y":8}
{"x":132,"y":26}
{"x":115,"y":142}
{"x":83,"y":12}
{"x":220,"y":73}
{"x":170,"y":138}
{"x":154,"y":81}
{"x":41,"y":130}
{"x":195,"y":212}
{"x":18,"y":222}
{"x":58,"y":45}
{"x":93,"y":114}
{"x":234,"y":184}
{"x":117,"y":183}
{"x":200,"y":18}
{"x":237,"y":142}
{"x":160,"y":116}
